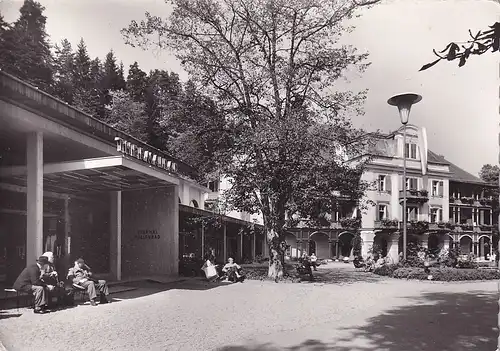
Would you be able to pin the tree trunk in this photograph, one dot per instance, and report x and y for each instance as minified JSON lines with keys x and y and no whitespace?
{"x":277,"y":248}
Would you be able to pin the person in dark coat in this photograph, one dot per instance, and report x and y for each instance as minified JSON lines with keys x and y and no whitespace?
{"x":30,"y":281}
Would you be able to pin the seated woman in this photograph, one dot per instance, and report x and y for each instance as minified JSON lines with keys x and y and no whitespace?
{"x":233,"y":271}
{"x":210,"y":270}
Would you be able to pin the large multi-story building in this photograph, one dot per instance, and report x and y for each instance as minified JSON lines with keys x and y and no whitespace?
{"x":446,"y":206}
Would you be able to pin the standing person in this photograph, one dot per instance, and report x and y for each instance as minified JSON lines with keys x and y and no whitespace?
{"x":313,"y":260}
{"x":82,"y":275}
{"x":30,"y":281}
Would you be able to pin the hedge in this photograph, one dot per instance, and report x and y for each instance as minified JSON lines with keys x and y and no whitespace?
{"x":439,"y":274}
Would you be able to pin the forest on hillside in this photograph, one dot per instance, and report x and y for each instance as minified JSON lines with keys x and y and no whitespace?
{"x":155,"y":107}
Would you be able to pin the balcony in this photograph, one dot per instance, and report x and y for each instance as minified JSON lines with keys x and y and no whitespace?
{"x":212,"y":196}
{"x":416,"y":227}
{"x":441,"y":226}
{"x":415,"y":196}
{"x":350,"y":223}
{"x":387,"y":225}
{"x":470,"y":201}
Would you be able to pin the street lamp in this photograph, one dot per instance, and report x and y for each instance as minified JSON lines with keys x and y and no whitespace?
{"x":403,"y":103}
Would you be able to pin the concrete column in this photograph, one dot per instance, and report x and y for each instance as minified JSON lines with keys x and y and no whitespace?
{"x":67,"y":234}
{"x":254,"y":242}
{"x":34,"y":197}
{"x":224,"y":231}
{"x":202,"y":240}
{"x":337,"y":249}
{"x":115,"y":254}
{"x":241,"y":246}
{"x":393,"y":250}
{"x":446,"y":243}
{"x":330,"y":248}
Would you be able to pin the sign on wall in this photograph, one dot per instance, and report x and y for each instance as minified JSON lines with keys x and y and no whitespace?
{"x":147,"y":234}
{"x":128,"y":148}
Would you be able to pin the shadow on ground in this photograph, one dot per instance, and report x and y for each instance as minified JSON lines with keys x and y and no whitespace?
{"x":140,"y":289}
{"x":310,"y":345}
{"x":434,"y":321}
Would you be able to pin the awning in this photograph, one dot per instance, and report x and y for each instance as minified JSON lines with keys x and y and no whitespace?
{"x":93,"y":175}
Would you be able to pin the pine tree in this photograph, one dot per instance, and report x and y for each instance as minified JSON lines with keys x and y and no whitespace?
{"x":26,"y":48}
{"x":87,"y":80}
{"x":63,"y":71}
{"x":136,"y":82}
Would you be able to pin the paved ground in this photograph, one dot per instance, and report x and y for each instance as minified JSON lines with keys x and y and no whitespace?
{"x":377,"y":315}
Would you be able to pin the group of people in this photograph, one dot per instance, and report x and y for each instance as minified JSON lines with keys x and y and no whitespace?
{"x":231,"y":270}
{"x":42,"y":281}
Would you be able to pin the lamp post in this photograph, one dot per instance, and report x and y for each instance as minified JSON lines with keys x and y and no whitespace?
{"x":404,"y":103}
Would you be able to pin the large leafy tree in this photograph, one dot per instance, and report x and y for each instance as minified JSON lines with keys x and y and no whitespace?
{"x":25,"y":48}
{"x":272,"y":65}
{"x":136,"y":82}
{"x":127,"y":115}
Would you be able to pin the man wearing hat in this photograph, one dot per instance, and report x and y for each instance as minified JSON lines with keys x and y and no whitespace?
{"x":30,"y":281}
{"x":81,"y":275}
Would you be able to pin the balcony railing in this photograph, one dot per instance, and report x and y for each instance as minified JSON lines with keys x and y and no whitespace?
{"x":387,"y":224}
{"x":415,"y":196}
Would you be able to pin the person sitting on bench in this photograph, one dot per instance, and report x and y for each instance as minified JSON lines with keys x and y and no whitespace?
{"x":30,"y":281}
{"x":82,"y":276}
{"x":232,"y":270}
{"x":64,"y":295}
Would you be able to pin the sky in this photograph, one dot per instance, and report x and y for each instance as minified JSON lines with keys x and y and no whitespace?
{"x":460,"y":106}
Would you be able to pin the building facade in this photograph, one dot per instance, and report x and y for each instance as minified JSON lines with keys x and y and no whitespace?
{"x":446,"y":206}
{"x":73,"y":185}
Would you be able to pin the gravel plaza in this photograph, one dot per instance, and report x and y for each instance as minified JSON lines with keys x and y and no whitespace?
{"x":356,"y":311}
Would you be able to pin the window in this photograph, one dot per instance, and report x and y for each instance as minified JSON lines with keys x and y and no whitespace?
{"x":411,"y":183}
{"x":411,"y":151}
{"x":455,"y":214}
{"x":213,"y":185}
{"x":412,"y":213}
{"x":382,"y":212}
{"x":435,"y":215}
{"x":384,"y":183}
{"x":437,"y":188}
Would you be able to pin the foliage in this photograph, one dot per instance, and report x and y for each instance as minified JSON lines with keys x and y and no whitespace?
{"x":386,"y":269}
{"x":357,"y":243}
{"x":442,"y":274}
{"x":389,"y":223}
{"x":418,"y":226}
{"x":415,"y":256}
{"x":468,"y":261}
{"x":127,"y":115}
{"x":489,"y":174}
{"x":350,"y":223}
{"x":25,"y":47}
{"x":272,"y":66}
{"x":480,"y":43}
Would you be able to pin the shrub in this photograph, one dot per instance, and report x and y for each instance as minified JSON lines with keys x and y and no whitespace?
{"x":386,"y":269}
{"x":439,"y":274}
{"x":415,"y":256}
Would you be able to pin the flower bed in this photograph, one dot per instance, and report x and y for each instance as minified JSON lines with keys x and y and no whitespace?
{"x":439,"y":274}
{"x":259,"y":272}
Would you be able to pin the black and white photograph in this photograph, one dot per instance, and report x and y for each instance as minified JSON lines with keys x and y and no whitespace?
{"x":249,"y":175}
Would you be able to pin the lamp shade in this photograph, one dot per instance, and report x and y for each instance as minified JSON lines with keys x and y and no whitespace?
{"x":404,"y":103}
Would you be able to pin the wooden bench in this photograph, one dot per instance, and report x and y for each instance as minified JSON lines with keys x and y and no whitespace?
{"x":20,"y":295}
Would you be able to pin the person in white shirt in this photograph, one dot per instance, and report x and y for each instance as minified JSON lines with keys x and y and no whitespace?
{"x":232,"y":270}
{"x":313,"y":260}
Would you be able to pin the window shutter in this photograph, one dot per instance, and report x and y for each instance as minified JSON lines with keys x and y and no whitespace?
{"x":440,"y":188}
{"x":401,"y":183}
{"x":388,"y":186}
